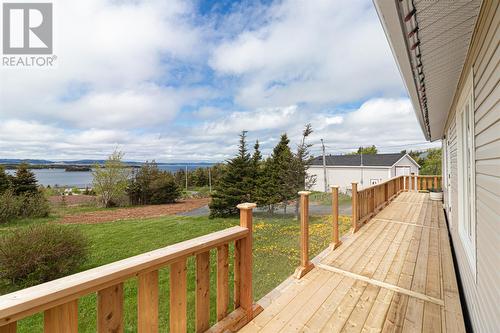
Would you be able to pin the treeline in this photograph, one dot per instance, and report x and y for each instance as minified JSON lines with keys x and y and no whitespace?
{"x":199,"y":177}
{"x":429,"y":160}
{"x":248,"y":177}
{"x":20,"y":196}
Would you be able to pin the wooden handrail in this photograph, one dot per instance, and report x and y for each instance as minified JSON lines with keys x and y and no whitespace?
{"x":59,"y":298}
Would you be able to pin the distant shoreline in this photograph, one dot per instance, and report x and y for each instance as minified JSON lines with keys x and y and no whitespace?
{"x":80,"y":166}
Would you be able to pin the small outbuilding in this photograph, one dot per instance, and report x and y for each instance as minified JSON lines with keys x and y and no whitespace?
{"x":366,"y":169}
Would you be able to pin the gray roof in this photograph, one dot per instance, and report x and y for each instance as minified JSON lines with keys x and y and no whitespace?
{"x":385,"y":160}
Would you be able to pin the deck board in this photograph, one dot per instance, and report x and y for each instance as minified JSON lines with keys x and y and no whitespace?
{"x":405,"y":245}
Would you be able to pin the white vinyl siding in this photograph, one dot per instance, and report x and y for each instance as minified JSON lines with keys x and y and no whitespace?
{"x":482,"y":288}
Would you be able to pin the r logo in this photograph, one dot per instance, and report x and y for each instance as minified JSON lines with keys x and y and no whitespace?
{"x":27,"y":28}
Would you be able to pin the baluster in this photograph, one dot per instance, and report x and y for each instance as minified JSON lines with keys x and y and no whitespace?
{"x":222,"y":281}
{"x":147,"y":302}
{"x":61,"y":319}
{"x":373,"y":201}
{"x":354,"y":204}
{"x":202,"y":291}
{"x":9,"y":328}
{"x":178,"y":295}
{"x":335,"y":218}
{"x":110,"y":309}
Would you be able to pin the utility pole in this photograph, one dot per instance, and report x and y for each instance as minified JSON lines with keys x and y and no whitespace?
{"x":209,"y":180}
{"x":186,"y":178}
{"x":324,"y":166}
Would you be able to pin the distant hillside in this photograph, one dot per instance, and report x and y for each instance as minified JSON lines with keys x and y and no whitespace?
{"x":14,"y":161}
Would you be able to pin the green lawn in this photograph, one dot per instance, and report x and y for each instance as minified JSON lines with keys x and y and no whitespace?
{"x":323,"y":198}
{"x":276,"y":255}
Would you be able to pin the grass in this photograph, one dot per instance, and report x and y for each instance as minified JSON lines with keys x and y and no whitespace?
{"x":323,"y":198}
{"x":276,"y":255}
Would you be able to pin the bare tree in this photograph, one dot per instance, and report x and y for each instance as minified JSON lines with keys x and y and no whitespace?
{"x":111,"y":180}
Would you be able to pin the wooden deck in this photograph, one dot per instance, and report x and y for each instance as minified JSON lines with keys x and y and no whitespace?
{"x":395,"y":274}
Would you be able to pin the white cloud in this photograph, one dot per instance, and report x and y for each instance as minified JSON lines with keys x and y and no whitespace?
{"x":258,"y":120}
{"x":310,"y":51}
{"x":109,"y":58}
{"x":386,"y":123}
{"x":125,"y":69}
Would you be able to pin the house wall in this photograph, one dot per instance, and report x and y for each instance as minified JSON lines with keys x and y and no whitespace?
{"x":482,"y":289}
{"x":405,"y":161}
{"x":344,"y":176}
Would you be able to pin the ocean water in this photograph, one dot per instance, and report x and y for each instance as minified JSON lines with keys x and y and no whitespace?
{"x":82,"y":179}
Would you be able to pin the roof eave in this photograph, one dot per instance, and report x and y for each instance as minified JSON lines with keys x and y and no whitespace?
{"x":389,"y":17}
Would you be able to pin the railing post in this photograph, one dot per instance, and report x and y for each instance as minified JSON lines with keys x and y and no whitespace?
{"x":336,"y":242}
{"x":354,"y":203}
{"x":246,"y":261}
{"x":305,"y":264}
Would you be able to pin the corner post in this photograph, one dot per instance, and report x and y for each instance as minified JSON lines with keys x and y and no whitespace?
{"x":305,"y":264}
{"x":336,"y":242}
{"x":246,"y":260}
{"x":354,"y":202}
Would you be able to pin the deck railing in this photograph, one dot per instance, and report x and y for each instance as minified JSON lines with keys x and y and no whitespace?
{"x":369,"y":201}
{"x":422,"y":182}
{"x":366,"y":203}
{"x":58,"y":299}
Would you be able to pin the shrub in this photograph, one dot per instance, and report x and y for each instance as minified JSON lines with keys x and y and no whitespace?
{"x":149,"y":185}
{"x":10,"y":205}
{"x":25,"y":205}
{"x":37,"y":254}
{"x":34,"y":205}
{"x":164,"y":189}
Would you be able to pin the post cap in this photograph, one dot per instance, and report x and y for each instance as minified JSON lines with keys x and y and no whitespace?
{"x":246,"y":205}
{"x":334,"y":186}
{"x":304,"y":192}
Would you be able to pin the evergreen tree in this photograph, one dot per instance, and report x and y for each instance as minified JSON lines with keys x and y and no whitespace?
{"x":4,"y":180}
{"x":302,"y":161}
{"x":283,"y":161}
{"x":266,"y":191}
{"x":256,"y":171}
{"x":276,"y":183}
{"x":235,"y":185}
{"x":24,"y":182}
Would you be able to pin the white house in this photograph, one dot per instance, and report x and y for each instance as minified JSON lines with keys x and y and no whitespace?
{"x":366,"y":170}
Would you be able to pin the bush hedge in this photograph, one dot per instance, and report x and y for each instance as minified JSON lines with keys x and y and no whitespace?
{"x":24,"y":205}
{"x":40,"y":253}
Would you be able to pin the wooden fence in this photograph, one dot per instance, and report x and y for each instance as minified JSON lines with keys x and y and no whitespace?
{"x":58,"y":299}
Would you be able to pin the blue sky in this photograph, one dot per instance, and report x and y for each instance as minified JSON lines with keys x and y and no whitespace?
{"x":178,"y":80}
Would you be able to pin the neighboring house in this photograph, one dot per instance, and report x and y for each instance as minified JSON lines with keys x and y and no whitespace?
{"x":449,"y":57}
{"x":366,"y":170}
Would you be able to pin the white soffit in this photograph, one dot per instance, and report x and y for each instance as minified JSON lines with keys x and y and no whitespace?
{"x":437,"y":35}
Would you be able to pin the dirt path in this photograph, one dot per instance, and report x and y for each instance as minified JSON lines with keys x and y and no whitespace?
{"x":135,"y":212}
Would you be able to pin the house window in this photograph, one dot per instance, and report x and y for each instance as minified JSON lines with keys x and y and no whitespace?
{"x":466,"y":174}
